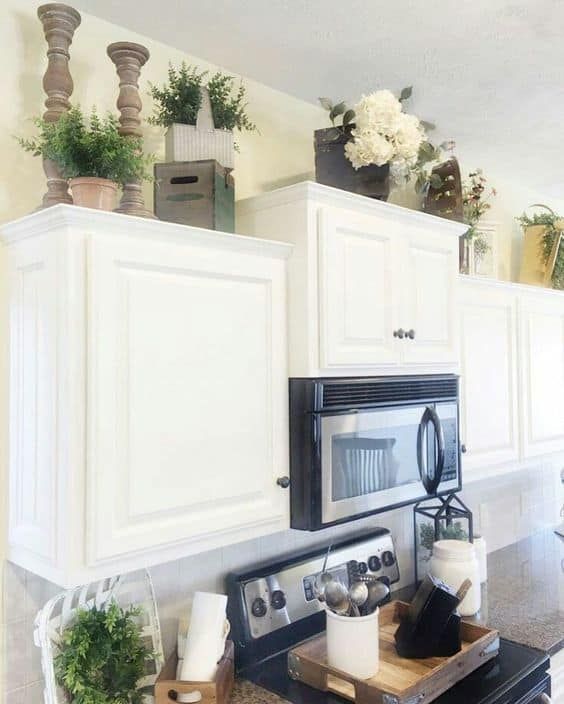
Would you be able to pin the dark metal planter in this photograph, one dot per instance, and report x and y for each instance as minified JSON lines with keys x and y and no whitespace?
{"x":332,"y":168}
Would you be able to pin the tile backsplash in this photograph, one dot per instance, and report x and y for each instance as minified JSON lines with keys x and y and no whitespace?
{"x":505,"y":510}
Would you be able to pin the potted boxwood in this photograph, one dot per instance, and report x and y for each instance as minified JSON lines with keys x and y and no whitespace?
{"x":102,"y":656}
{"x":200,"y":115}
{"x":92,"y":154}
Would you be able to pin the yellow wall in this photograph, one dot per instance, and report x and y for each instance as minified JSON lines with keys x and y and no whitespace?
{"x":282,"y":151}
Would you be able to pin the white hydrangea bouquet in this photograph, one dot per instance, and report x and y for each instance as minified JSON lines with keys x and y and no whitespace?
{"x":380,"y":133}
{"x":384,"y":134}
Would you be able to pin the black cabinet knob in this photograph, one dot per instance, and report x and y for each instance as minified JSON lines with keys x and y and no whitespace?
{"x":410,"y":334}
{"x":463,"y":448}
{"x":374,"y":563}
{"x":258,"y":607}
{"x":399,"y":333}
{"x":278,"y":599}
{"x":284,"y":482}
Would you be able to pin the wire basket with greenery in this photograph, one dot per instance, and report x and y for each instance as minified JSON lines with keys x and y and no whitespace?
{"x":102,"y":656}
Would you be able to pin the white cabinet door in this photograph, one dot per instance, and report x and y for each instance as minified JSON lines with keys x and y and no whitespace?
{"x":187,"y":395}
{"x":358,"y":290}
{"x":542,"y":368}
{"x":430,"y":265}
{"x":33,"y":398}
{"x":488,"y":347}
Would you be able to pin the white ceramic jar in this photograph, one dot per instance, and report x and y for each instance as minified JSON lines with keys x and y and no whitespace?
{"x":453,"y":561}
{"x":353,"y":644}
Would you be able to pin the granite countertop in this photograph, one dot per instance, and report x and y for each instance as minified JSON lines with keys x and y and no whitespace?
{"x":523,"y":599}
{"x":524,"y":595}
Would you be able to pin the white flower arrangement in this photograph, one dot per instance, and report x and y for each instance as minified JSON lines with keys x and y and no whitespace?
{"x":384,"y":134}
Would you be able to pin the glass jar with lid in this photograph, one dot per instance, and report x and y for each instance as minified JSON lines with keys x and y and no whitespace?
{"x":453,"y":561}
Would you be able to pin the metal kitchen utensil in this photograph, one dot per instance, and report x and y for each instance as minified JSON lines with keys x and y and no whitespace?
{"x":377,"y":592}
{"x":358,"y":593}
{"x":324,"y":578}
{"x":337,"y":597}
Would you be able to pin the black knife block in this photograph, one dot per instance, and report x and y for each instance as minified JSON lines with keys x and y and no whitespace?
{"x":432,"y":625}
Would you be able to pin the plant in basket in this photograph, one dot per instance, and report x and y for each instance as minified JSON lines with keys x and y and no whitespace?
{"x":542,"y":259}
{"x":91,"y":153}
{"x":200,"y":114}
{"x":371,"y":144}
{"x":102,"y":657}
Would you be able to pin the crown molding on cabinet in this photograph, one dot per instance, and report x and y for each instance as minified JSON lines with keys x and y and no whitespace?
{"x":326,"y":195}
{"x":87,"y":220}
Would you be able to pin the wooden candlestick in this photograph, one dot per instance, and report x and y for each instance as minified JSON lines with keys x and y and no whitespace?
{"x":59,"y":24}
{"x":128,"y":59}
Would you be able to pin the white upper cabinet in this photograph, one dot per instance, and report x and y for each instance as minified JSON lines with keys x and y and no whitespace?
{"x":372,"y":286}
{"x":358,"y":292}
{"x":148,"y":391}
{"x":430,"y":298}
{"x":489,"y":390}
{"x":542,"y":371}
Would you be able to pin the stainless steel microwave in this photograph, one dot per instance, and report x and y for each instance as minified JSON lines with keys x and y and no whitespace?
{"x":360,"y":446}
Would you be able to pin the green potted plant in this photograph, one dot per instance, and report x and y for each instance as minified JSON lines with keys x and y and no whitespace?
{"x":200,"y":115}
{"x":102,"y":657}
{"x":92,"y":154}
{"x":542,"y":258}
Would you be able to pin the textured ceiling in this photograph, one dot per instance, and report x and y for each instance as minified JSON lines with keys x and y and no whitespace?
{"x":488,"y":72}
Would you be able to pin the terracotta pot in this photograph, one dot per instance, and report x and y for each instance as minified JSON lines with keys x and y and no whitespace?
{"x":93,"y":192}
{"x":332,"y":168}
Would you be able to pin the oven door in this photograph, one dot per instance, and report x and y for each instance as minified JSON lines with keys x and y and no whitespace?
{"x":376,"y":459}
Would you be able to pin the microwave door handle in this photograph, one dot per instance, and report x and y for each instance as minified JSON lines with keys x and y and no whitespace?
{"x":429,"y":414}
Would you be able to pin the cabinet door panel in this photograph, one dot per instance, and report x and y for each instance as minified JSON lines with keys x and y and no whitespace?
{"x":188,"y":395}
{"x":542,"y":344}
{"x":358,"y":294}
{"x":33,"y":394}
{"x":488,"y":343}
{"x":431,"y":265}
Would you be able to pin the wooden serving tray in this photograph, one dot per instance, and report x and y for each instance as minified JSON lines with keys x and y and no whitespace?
{"x":399,"y":680}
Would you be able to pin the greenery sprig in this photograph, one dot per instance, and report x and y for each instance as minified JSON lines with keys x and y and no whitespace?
{"x":553,"y":225}
{"x":89,"y":146}
{"x":453,"y":532}
{"x":180,"y":100}
{"x":102,"y":656}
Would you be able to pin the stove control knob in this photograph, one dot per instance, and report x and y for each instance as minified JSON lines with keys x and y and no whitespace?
{"x":374,"y":563}
{"x":278,"y":599}
{"x":258,"y":607}
{"x":362,"y":567}
{"x":388,"y":558}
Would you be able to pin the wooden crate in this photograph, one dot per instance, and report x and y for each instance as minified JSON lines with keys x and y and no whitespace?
{"x":398,"y":680}
{"x":197,"y":193}
{"x":167,"y":687}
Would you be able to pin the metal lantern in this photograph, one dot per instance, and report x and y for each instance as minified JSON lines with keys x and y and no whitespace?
{"x":439,"y":518}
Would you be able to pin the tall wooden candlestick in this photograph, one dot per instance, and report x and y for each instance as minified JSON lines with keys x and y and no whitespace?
{"x":59,"y":24}
{"x":128,"y":59}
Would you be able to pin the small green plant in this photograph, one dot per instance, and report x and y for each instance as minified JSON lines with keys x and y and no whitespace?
{"x":229,"y":108}
{"x":553,"y":226}
{"x":455,"y":531}
{"x":180,"y":100}
{"x":102,"y":656}
{"x":89,"y":146}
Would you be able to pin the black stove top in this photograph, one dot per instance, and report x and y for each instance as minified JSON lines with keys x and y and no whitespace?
{"x":517,"y":675}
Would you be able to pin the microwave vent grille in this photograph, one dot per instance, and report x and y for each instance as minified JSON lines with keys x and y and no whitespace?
{"x":390,"y":391}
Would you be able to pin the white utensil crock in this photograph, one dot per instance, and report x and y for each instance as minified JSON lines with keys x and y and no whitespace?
{"x":352,"y":644}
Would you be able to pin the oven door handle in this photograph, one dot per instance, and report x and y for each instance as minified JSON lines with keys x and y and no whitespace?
{"x":430,"y":416}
